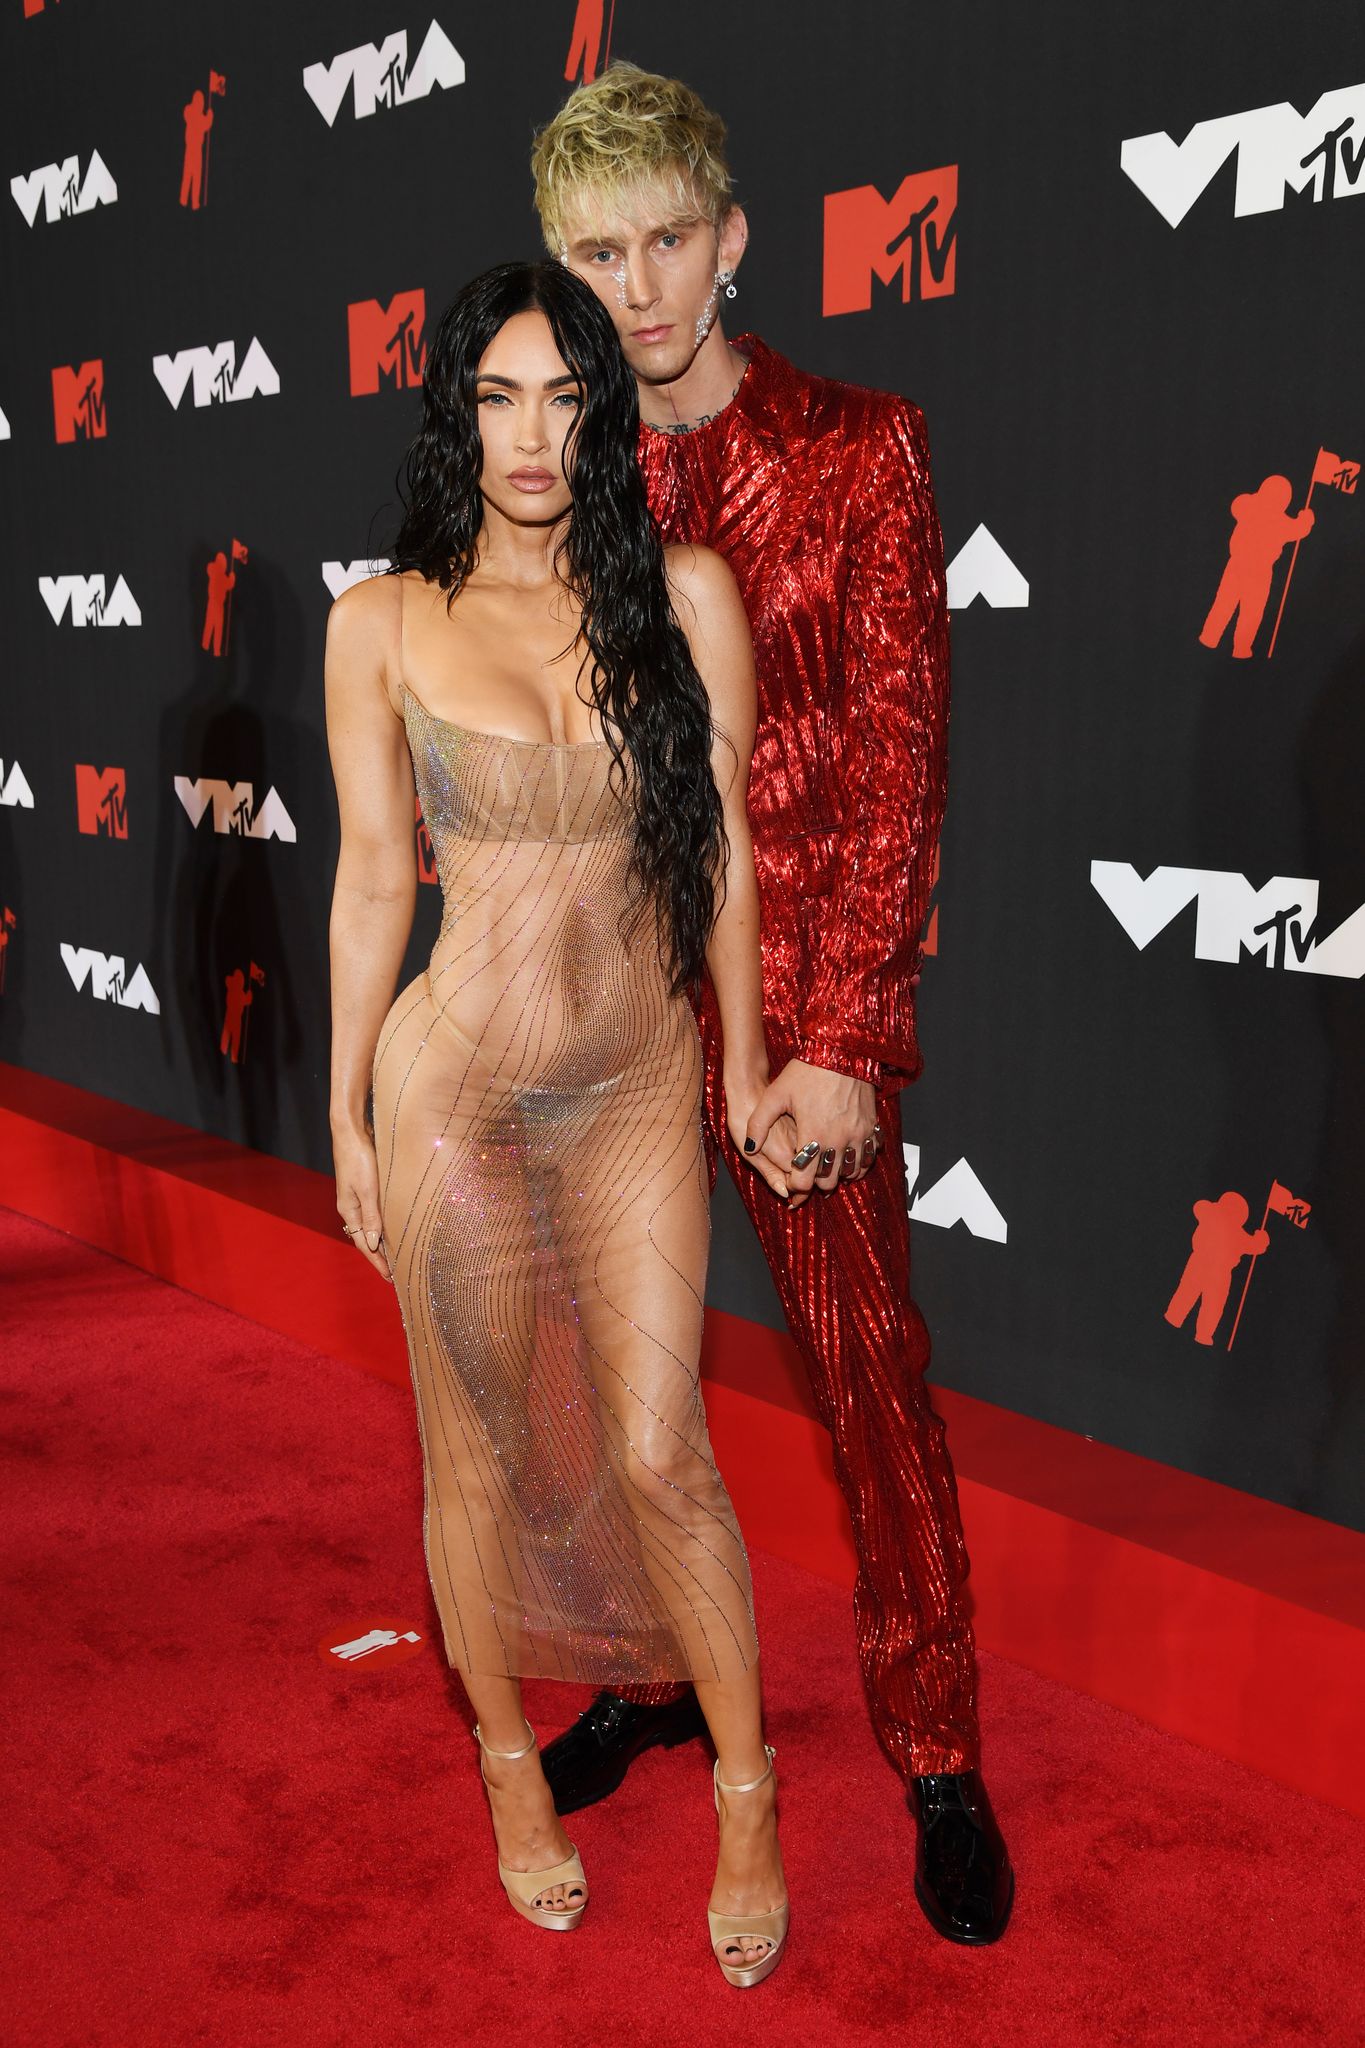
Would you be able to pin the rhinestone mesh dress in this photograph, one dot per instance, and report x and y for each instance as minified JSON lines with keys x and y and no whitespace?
{"x":543,"y":1187}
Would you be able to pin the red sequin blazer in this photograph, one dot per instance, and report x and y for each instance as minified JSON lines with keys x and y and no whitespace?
{"x":818,"y":496}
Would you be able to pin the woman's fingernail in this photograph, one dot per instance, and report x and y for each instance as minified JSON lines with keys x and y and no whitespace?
{"x":751,"y":1145}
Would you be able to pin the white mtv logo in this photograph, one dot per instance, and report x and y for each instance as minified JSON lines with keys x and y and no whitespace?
{"x":341,"y":576}
{"x":1276,"y":147}
{"x":217,"y":379}
{"x":234,"y":808}
{"x":14,"y":789}
{"x":107,"y":982}
{"x":957,"y":1197}
{"x":380,"y":74}
{"x":61,"y":190}
{"x":89,"y":605}
{"x":1278,"y":920}
{"x":377,"y":1639}
{"x":981,"y":568}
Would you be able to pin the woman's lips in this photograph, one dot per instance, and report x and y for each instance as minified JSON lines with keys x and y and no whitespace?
{"x":532,"y":480}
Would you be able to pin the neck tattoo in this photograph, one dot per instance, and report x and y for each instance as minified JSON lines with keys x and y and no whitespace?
{"x":703,"y":419}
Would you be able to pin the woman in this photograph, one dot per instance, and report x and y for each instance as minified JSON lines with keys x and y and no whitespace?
{"x":578,"y":712}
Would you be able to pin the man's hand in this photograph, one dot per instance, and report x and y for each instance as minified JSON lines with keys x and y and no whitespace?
{"x":834,"y":1118}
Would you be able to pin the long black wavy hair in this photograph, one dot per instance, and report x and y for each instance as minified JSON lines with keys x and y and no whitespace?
{"x":652,"y":704}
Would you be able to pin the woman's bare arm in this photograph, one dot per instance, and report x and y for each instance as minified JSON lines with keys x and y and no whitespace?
{"x":711,"y":614}
{"x":376,"y":880}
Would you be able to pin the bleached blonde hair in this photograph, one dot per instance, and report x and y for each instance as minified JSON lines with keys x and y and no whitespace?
{"x":628,"y":130}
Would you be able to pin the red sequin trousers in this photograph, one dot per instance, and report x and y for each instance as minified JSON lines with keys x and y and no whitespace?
{"x":841,"y":1265}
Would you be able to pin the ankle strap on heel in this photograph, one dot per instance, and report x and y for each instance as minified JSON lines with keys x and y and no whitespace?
{"x":753,"y":1783}
{"x":508,"y":1756}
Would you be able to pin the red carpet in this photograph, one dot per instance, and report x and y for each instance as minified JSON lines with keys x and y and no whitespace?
{"x":219,"y":1837}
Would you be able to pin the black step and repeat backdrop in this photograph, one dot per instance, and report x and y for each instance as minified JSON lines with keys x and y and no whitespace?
{"x":1115,"y":253}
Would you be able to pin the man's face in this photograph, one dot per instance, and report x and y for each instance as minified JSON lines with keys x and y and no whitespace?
{"x":654,"y":269}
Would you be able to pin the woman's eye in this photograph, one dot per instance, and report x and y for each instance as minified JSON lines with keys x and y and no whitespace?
{"x":495,"y":398}
{"x":569,"y":398}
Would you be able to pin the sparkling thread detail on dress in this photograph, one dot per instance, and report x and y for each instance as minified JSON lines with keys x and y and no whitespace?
{"x":537,"y":1097}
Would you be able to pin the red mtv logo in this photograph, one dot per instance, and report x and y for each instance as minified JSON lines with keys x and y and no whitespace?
{"x":78,"y":402}
{"x":102,"y":801}
{"x":913,"y":235}
{"x":387,"y":341}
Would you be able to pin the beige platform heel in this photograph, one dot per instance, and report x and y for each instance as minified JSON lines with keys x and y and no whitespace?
{"x":729,"y":1929}
{"x":524,"y":1887}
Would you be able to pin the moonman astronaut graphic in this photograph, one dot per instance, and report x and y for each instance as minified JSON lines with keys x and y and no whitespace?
{"x":198,"y":121}
{"x":585,"y":42}
{"x":240,"y":996}
{"x":1263,"y":526}
{"x":221,"y":579}
{"x":1221,"y":1241}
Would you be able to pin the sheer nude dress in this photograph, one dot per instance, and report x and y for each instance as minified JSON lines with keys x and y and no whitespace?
{"x":537,"y":1110}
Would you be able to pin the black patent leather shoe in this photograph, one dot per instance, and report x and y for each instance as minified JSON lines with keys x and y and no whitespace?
{"x":963,"y":1878}
{"x":588,"y":1761}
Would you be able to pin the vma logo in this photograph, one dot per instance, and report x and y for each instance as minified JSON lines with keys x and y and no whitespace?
{"x":87,"y":601}
{"x":1279,"y":921}
{"x":1221,"y":1241}
{"x":60,"y":190}
{"x":198,"y":114}
{"x":102,"y":801}
{"x":1262,"y":527}
{"x":387,"y":342}
{"x":239,"y":991}
{"x":215,"y":376}
{"x":78,"y":402}
{"x":379,"y":74}
{"x":15,"y":793}
{"x":1276,"y":148}
{"x":912,"y":236}
{"x":108,"y":981}
{"x":234,"y":808}
{"x":957,"y":1197}
{"x":339,"y":576}
{"x":981,"y":568}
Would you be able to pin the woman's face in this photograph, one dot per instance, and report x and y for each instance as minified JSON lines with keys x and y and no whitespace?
{"x":528,"y":401}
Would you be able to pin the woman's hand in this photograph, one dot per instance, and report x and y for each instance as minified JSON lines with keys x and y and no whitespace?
{"x":770,"y":1160}
{"x":357,"y":1178}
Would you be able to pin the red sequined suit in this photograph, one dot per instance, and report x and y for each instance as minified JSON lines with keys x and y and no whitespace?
{"x":818,"y":496}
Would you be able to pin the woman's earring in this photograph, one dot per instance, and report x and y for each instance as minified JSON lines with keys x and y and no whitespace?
{"x":727,"y":278}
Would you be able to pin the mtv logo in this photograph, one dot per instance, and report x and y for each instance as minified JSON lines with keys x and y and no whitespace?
{"x":14,"y":790}
{"x":379,"y":75}
{"x":1277,"y":149}
{"x":339,"y":576}
{"x":215,"y":375}
{"x":1234,"y":920}
{"x":4,"y":425}
{"x":78,"y":402}
{"x":105,"y":973}
{"x":234,"y":808}
{"x":387,"y":341}
{"x":912,"y":235}
{"x":958,"y":1197}
{"x":85,"y":596}
{"x":61,"y":191}
{"x":981,"y":568}
{"x":101,"y":801}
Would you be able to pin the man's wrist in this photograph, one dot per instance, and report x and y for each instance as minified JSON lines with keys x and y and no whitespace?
{"x":838,"y":1059}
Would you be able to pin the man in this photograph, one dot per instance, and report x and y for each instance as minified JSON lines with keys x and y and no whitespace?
{"x":818,"y":495}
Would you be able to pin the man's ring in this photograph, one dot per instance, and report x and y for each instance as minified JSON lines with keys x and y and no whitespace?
{"x":802,"y":1159}
{"x":827,"y":1160}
